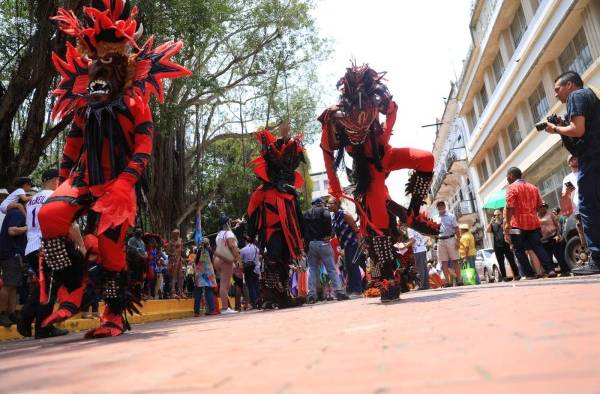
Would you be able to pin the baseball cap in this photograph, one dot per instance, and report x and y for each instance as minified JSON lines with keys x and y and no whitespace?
{"x":49,"y":174}
{"x":463,"y":226}
{"x":317,"y":201}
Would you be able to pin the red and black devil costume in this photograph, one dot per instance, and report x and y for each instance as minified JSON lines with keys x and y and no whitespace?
{"x":353,"y":126}
{"x":274,"y":214}
{"x":106,"y":82}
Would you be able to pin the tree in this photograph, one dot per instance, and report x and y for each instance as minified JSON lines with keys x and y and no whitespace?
{"x":26,"y":77}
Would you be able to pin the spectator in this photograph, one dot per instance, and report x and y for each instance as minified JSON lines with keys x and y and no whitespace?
{"x":33,"y":310}
{"x":447,"y":244}
{"x":467,"y":250}
{"x":349,"y":237}
{"x":435,"y":280}
{"x":317,"y":224}
{"x":501,"y":247}
{"x":521,"y":223}
{"x":569,"y":201}
{"x":160,"y":271}
{"x":418,"y":244}
{"x":227,"y":255}
{"x":204,"y":281}
{"x":581,"y":135}
{"x":18,"y":198}
{"x":174,"y":250}
{"x":251,"y":259}
{"x":13,"y":240}
{"x":551,"y":238}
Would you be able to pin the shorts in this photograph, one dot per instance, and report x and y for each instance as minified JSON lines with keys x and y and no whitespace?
{"x":12,"y":271}
{"x":447,"y":249}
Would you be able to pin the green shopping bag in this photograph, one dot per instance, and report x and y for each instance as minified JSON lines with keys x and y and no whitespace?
{"x":468,"y":274}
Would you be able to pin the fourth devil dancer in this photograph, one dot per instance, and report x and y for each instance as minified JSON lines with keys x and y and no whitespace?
{"x":352,"y":126}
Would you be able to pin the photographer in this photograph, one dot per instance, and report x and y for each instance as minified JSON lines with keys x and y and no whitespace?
{"x":581,"y":136}
{"x":501,"y":247}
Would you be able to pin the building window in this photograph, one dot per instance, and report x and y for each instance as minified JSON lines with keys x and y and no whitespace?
{"x":495,"y":158}
{"x":577,"y":55}
{"x":471,"y":121}
{"x":325,"y":184}
{"x":316,"y":186}
{"x":538,"y":102}
{"x":482,"y":99}
{"x":514,"y":134}
{"x":483,"y":172}
{"x":498,"y":67}
{"x":518,"y":26}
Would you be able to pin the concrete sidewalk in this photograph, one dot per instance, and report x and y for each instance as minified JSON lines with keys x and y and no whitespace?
{"x":527,"y":337}
{"x":152,"y":310}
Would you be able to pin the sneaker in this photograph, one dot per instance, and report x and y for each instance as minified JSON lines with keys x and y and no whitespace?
{"x":5,"y":320}
{"x":49,"y":332}
{"x":355,"y":296}
{"x":591,"y":268}
{"x":551,"y":274}
{"x":311,"y":300}
{"x":340,"y":296}
{"x":229,"y":311}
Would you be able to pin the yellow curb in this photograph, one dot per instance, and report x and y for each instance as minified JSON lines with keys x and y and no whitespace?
{"x":152,"y":310}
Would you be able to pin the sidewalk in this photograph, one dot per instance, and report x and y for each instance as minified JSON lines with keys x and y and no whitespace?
{"x":528,"y":337}
{"x":153,"y":310}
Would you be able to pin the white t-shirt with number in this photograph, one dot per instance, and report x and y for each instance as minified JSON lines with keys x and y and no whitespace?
{"x":34,"y":234}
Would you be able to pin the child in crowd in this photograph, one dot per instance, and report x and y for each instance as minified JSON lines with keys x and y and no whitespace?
{"x":204,"y":281}
{"x":18,"y":198}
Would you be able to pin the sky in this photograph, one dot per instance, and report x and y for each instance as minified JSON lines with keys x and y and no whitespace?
{"x":421,"y":44}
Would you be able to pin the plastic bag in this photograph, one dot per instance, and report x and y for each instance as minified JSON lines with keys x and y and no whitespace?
{"x":468,"y":274}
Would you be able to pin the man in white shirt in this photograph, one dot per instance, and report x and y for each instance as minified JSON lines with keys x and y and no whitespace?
{"x":33,"y":310}
{"x":417,"y":241}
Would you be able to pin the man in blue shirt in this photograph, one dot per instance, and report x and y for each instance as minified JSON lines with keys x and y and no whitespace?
{"x":581,"y":135}
{"x":13,"y":239}
{"x":447,"y":250}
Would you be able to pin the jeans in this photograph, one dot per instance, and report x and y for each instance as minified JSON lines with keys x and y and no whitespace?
{"x":353,"y":268}
{"x":589,"y":203}
{"x":557,"y":249}
{"x":208,"y":299}
{"x":422,"y":271}
{"x":320,"y":252}
{"x":530,"y":240}
{"x":471,"y":262}
{"x":503,"y":251}
{"x":251,"y":278}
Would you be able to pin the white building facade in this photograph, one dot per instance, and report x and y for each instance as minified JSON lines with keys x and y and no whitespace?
{"x":452,"y":182}
{"x":507,"y":86}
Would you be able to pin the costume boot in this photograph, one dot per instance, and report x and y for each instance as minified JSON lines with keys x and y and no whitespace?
{"x":112,"y":325}
{"x":70,"y":302}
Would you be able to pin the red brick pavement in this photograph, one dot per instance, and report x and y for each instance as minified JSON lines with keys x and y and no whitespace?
{"x":540,"y":336}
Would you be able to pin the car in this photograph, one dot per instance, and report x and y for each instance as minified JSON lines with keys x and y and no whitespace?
{"x":575,"y":254}
{"x":487,"y":266}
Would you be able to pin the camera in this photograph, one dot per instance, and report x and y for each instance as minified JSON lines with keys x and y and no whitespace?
{"x":554,"y":118}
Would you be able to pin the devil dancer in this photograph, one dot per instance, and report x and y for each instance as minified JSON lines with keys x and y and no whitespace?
{"x":274,"y":214}
{"x":106,"y":82}
{"x":353,"y":126}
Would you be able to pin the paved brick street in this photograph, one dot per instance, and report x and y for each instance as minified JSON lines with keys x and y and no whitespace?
{"x":535,"y":336}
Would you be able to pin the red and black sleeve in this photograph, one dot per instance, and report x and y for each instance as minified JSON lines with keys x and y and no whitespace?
{"x":73,"y":146}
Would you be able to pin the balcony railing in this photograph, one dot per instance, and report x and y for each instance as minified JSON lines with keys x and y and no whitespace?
{"x":456,"y":154}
